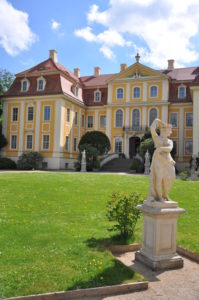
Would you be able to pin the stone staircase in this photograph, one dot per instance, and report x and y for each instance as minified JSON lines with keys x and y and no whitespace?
{"x":117,"y":165}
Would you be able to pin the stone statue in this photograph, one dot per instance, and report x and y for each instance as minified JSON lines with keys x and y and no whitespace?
{"x":194,"y":171}
{"x":162,"y":167}
{"x":147,"y":163}
{"x":83,"y":162}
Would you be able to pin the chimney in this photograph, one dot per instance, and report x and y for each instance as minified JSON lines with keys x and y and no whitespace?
{"x":53,"y":55}
{"x":170,"y":64}
{"x":97,"y":71}
{"x":77,"y":72}
{"x":123,"y":67}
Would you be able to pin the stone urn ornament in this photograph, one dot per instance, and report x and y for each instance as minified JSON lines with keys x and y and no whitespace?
{"x":159,"y":212}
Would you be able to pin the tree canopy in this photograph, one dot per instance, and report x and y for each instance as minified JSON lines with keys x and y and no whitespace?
{"x":6,"y":79}
{"x":97,"y":139}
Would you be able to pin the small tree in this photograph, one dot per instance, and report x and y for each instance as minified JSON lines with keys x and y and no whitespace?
{"x":122,"y":210}
{"x":29,"y":161}
{"x":91,"y":156}
{"x":3,"y":141}
{"x":96,"y":139}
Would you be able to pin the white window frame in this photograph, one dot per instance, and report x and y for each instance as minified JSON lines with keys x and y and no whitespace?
{"x":122,"y":118}
{"x":67,"y":149}
{"x":170,"y":119}
{"x":44,"y":83}
{"x":100,"y":121}
{"x":154,"y":85}
{"x":27,"y":141}
{"x":44,"y":113}
{"x":187,"y":140}
{"x":76,"y":90}
{"x":17,"y":113}
{"x":68,"y":114}
{"x":149,"y":114}
{"x":100,"y":96}
{"x":185,"y":89}
{"x":27,"y":86}
{"x":30,"y":106}
{"x":136,"y":87}
{"x":187,"y":112}
{"x":11,"y":148}
{"x":92,"y":123}
{"x":122,"y":93}
{"x":44,"y":149}
{"x":121,"y":140}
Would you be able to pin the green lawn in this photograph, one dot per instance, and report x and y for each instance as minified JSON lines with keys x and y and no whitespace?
{"x":53,"y":229}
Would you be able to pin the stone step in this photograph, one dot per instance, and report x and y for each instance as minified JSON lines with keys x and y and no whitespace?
{"x":118,"y":165}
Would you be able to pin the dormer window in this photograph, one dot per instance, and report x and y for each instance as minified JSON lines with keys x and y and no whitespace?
{"x":97,"y":96}
{"x":41,"y":82}
{"x":76,"y":90}
{"x":25,"y":85}
{"x":181,"y":92}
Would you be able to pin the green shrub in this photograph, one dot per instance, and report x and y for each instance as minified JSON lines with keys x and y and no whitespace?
{"x":29,"y":161}
{"x":6,"y":163}
{"x":96,"y":164}
{"x":122,"y":210}
{"x":96,"y":139}
{"x":3,"y":141}
{"x":183,"y":175}
{"x":134,"y":164}
{"x":91,"y":155}
{"x":137,"y":165}
{"x":145,"y":145}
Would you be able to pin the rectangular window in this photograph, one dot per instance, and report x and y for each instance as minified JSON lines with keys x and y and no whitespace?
{"x":76,"y":119}
{"x":29,"y":142}
{"x":67,"y":143}
{"x":30,"y":113}
{"x":188,"y":148}
{"x":46,"y":113}
{"x":90,"y":122}
{"x":68,"y":115}
{"x":46,"y":140}
{"x":15,"y":114}
{"x":189,"y":119}
{"x":174,"y":120}
{"x":24,"y":86}
{"x":102,"y":121}
{"x":41,"y":85}
{"x":75,"y":144}
{"x":118,"y":145}
{"x":83,"y":120}
{"x":13,"y":142}
{"x":175,"y":147}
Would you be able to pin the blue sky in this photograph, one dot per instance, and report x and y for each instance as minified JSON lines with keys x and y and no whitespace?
{"x":88,"y":33}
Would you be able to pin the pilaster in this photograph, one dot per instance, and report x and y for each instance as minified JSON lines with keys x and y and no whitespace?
{"x":21,"y":130}
{"x":37,"y":129}
{"x":181,"y":129}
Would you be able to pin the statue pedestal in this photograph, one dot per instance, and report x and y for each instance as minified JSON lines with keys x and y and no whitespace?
{"x":194,"y":175}
{"x":159,"y":235}
{"x":83,"y":167}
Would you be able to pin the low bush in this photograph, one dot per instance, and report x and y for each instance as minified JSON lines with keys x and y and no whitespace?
{"x":29,"y":161}
{"x":6,"y":163}
{"x":183,"y":175}
{"x":122,"y":210}
{"x":137,"y":165}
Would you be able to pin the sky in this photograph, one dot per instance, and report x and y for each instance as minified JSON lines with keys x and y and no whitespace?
{"x":105,"y":33}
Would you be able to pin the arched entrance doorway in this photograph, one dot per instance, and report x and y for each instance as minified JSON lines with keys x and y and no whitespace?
{"x":134,"y":143}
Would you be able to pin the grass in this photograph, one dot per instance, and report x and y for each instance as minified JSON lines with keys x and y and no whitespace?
{"x":54,"y":230}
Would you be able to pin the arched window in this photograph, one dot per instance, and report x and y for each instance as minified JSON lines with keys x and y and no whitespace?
{"x":181,"y":92}
{"x":136,"y":118}
{"x":25,"y":85}
{"x":153,"y":91}
{"x":120,"y":93}
{"x":97,"y":96}
{"x":119,"y":118}
{"x":152,"y":115}
{"x":136,"y":92}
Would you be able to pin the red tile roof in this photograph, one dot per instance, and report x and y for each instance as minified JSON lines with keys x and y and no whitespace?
{"x":92,"y":80}
{"x":182,"y":74}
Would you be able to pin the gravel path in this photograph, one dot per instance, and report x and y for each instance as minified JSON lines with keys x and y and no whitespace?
{"x":181,"y":284}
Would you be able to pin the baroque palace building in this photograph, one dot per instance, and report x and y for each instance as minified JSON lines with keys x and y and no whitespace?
{"x":48,"y":108}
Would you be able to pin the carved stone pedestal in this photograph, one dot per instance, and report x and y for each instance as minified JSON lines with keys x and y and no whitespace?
{"x":83,"y":167}
{"x":159,"y":235}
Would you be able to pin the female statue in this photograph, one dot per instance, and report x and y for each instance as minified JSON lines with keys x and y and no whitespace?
{"x":162,"y":167}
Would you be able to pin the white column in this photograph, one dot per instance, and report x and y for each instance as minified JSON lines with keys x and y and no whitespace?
{"x":128,"y":92}
{"x":21,"y":129}
{"x":79,"y":119}
{"x":127,"y":117}
{"x":5,"y":123}
{"x":145,"y":91}
{"x":181,"y":129}
{"x":108,"y":123}
{"x":165,"y":90}
{"x":110,"y":92}
{"x":196,"y":122}
{"x":126,"y":141}
{"x":62,"y":124}
{"x":96,"y":120}
{"x":144,"y":116}
{"x":37,"y":129}
{"x":126,"y":151}
{"x":71,"y":131}
{"x":165,"y":113}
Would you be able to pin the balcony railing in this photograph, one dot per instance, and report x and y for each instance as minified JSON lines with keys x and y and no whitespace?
{"x":141,"y":129}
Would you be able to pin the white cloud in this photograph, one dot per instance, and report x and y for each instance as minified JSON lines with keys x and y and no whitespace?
{"x":55,"y":25}
{"x":162,"y":29}
{"x":86,"y":34}
{"x":15,"y":33}
{"x":107,"y":52}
